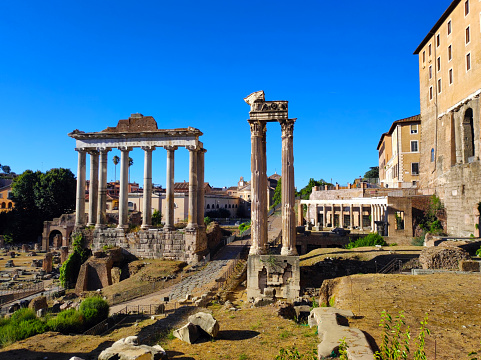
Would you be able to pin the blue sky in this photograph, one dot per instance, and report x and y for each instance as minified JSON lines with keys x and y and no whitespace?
{"x":346,"y":69}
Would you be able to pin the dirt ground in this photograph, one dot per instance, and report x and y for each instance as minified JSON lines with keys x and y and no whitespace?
{"x":452,"y":302}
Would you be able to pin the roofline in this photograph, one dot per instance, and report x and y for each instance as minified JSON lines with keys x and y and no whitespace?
{"x":436,"y":26}
{"x":408,"y":120}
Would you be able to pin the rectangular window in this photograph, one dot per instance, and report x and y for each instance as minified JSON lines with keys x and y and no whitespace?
{"x":439,"y":86}
{"x":399,"y":215}
{"x":438,"y":40}
{"x":429,"y":50}
{"x":414,"y":129}
{"x":466,"y":7}
{"x":424,"y":57}
{"x":450,"y":53}
{"x":430,"y":93}
{"x":449,"y":27}
{"x":468,"y":62}
{"x":415,"y":168}
{"x":414,"y":146}
{"x":468,"y":37}
{"x":450,"y":76}
{"x":430,"y":72}
{"x":439,"y":63}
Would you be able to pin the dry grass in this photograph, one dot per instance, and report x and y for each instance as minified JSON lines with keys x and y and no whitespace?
{"x":361,"y":254}
{"x":152,"y":270}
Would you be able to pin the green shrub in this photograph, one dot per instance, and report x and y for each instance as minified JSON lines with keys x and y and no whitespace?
{"x":94,"y":310}
{"x":244,"y":226}
{"x":478,"y":252}
{"x":23,"y":315}
{"x":67,"y":322}
{"x":207,"y":220}
{"x":71,"y":267}
{"x":157,"y":218}
{"x":371,"y":239}
{"x":22,"y":324}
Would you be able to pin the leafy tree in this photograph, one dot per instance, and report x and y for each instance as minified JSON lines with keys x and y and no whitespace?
{"x":6,"y":169}
{"x":71,"y":267}
{"x":39,"y":197}
{"x":307,"y":190}
{"x":116,"y":160}
{"x":373,"y":173}
{"x":156,"y":218}
{"x":218,"y":213}
{"x":278,"y":193}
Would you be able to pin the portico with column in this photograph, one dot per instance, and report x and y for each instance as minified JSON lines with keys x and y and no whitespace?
{"x":271,"y":276}
{"x":141,"y":132}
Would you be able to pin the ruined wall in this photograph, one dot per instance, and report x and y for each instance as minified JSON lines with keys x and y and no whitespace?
{"x":182,"y":245}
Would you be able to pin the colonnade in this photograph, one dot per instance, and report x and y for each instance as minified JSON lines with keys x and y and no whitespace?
{"x":377,"y":208}
{"x":98,"y":187}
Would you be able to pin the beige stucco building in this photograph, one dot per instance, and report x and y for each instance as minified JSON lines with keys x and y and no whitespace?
{"x":399,"y":154}
{"x":450,"y":85}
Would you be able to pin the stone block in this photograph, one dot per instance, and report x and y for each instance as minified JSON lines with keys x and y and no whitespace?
{"x":40,"y":302}
{"x":206,"y":322}
{"x":187,"y":333}
{"x":469,"y":265}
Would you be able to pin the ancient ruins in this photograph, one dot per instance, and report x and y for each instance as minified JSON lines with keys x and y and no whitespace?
{"x":141,"y":132}
{"x":271,"y":275}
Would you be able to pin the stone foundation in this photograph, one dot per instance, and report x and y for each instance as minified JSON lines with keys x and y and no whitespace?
{"x":185,"y":245}
{"x":270,"y":276}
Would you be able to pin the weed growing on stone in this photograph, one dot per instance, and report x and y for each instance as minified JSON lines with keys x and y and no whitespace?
{"x":293,"y":354}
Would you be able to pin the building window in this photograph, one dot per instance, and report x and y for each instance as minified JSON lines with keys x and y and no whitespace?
{"x":399,"y":220}
{"x":424,"y":57}
{"x":414,"y":146}
{"x":439,"y":63}
{"x":226,"y":206}
{"x":414,"y":129}
{"x":466,"y":7}
{"x":4,"y":205}
{"x":438,"y":41}
{"x":429,"y":50}
{"x":450,"y":53}
{"x":468,"y":37}
{"x":430,"y":72}
{"x":208,"y":206}
{"x":450,"y":76}
{"x":415,"y":168}
{"x":449,"y":27}
{"x":439,"y":86}
{"x":9,"y":205}
{"x":468,"y":62}
{"x":430,"y":93}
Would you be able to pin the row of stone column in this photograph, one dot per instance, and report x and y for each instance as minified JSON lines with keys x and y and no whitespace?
{"x":259,"y":188}
{"x":98,"y":187}
{"x":378,"y":213}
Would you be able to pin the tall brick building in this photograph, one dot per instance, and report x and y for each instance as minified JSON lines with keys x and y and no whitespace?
{"x":450,"y":85}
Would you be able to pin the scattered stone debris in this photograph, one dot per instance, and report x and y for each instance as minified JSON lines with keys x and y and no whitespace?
{"x":187,"y":333}
{"x":40,"y":302}
{"x":206,"y":322}
{"x":129,"y":349}
{"x":9,"y":264}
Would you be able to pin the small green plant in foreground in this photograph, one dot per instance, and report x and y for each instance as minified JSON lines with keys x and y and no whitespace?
{"x":371,"y":239}
{"x":293,"y":354}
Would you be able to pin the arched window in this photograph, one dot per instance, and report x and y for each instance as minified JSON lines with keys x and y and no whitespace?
{"x":468,"y":135}
{"x":217,"y":206}
{"x":208,"y":206}
{"x":226,"y":206}
{"x":432,"y":155}
{"x":9,"y":205}
{"x":229,"y":206}
{"x":236,"y":206}
{"x":3,"y":205}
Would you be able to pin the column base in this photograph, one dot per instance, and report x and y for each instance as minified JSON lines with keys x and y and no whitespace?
{"x":122,"y":227}
{"x":285,"y":251}
{"x":91,"y":224}
{"x":192,"y":227}
{"x":146,"y":227}
{"x":100,"y":226}
{"x":168,"y":228}
{"x":257,"y":251}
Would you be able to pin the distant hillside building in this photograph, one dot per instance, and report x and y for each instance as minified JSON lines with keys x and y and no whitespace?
{"x":450,"y":86}
{"x":6,"y":203}
{"x":399,"y":154}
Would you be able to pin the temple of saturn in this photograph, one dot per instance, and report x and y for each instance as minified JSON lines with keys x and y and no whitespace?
{"x":141,"y":132}
{"x":271,"y":275}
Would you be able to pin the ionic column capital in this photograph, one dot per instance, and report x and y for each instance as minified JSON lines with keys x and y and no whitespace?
{"x":287,"y":127}
{"x":125,"y":148}
{"x":103,"y":149}
{"x":170,"y":147}
{"x":81,"y":150}
{"x":192,"y":147}
{"x":93,"y":152}
{"x":258,"y":128}
{"x":148,"y":148}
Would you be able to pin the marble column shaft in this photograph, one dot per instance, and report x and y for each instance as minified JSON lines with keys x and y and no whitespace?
{"x":147,"y":195}
{"x":93,"y":186}
{"x":351,"y":218}
{"x":124,"y":188}
{"x":169,"y":188}
{"x":360,"y":217}
{"x":102,"y":197}
{"x":200,"y":187}
{"x":192,"y":214}
{"x":288,"y":189}
{"x":80,"y":198}
{"x":258,"y":194}
{"x":324,"y":215}
{"x":341,"y":217}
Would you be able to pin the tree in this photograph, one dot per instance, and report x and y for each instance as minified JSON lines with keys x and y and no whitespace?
{"x":39,"y":197}
{"x":156,"y":218}
{"x":307,"y":190}
{"x":131,"y":162}
{"x":277,"y":193}
{"x":116,"y":160}
{"x":6,"y":169}
{"x":373,"y":173}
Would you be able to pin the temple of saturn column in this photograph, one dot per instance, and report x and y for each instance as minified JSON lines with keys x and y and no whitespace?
{"x":141,"y":132}
{"x":271,"y":275}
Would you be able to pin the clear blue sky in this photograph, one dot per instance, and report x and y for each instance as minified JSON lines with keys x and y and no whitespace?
{"x":346,"y":69}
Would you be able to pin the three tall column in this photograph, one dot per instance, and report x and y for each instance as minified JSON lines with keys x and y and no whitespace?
{"x":147,"y":196}
{"x":80,"y":198}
